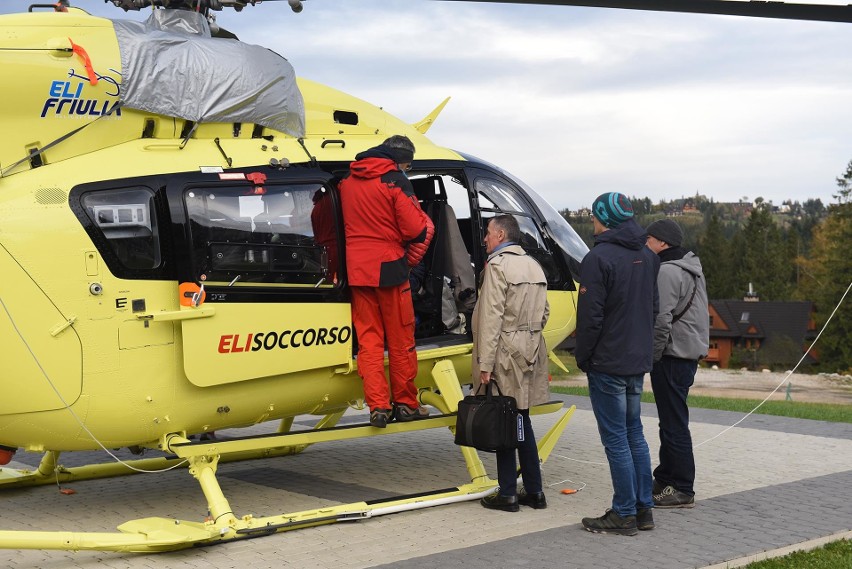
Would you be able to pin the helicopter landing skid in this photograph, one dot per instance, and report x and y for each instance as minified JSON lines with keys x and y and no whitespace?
{"x":222,"y":525}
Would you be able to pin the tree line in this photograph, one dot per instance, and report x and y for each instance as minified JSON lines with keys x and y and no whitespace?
{"x":796,"y":251}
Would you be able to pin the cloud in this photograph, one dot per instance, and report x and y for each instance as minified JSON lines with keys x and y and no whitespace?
{"x":578,"y":101}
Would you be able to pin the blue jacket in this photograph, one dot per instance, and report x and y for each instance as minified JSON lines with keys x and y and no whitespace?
{"x":618,"y":303}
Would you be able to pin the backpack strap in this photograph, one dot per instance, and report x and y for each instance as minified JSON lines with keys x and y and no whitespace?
{"x":691,"y":298}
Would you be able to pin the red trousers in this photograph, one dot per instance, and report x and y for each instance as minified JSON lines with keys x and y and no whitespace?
{"x":385,"y":315}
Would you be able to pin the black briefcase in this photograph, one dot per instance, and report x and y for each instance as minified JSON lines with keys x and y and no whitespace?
{"x":489,"y":421}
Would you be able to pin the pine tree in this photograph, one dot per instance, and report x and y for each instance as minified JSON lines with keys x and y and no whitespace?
{"x":830,"y":268}
{"x":715,"y":255}
{"x":764,"y":262}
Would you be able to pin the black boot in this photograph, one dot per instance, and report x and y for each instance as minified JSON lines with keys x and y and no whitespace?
{"x":496,"y":501}
{"x":535,"y":501}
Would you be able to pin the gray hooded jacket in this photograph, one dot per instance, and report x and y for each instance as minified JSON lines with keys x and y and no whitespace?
{"x":689,"y":337}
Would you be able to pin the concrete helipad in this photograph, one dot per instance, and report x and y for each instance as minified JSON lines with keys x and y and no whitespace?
{"x":768,"y":484}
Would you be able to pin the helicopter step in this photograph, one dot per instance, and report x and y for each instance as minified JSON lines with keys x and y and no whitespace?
{"x":155,"y":534}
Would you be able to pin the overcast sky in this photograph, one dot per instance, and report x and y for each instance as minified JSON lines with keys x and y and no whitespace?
{"x":579,"y":101}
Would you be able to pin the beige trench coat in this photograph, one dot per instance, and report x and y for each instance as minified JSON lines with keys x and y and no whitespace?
{"x":507,"y":322}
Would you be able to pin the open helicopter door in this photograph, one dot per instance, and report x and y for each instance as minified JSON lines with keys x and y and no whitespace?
{"x":264,"y":246}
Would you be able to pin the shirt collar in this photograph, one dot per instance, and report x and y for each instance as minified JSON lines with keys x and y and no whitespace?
{"x":502,"y":246}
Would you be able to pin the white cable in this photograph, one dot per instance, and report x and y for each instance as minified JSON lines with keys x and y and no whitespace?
{"x":583,"y":484}
{"x":811,"y":347}
{"x":68,"y":407}
{"x":583,"y":461}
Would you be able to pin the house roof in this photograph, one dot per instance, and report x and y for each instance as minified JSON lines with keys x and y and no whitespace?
{"x":764,"y":320}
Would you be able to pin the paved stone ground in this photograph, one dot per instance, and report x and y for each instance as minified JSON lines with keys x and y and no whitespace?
{"x":768,"y":483}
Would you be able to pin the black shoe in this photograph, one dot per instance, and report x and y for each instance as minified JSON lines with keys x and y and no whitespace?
{"x":645,"y":519}
{"x":671,"y":497}
{"x":536,"y":501}
{"x":611,"y":522}
{"x":657,"y":487}
{"x":496,"y":501}
{"x":379,"y":417}
{"x":404,"y":413}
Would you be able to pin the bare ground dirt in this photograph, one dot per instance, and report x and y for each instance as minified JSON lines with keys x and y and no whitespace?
{"x":737,"y":384}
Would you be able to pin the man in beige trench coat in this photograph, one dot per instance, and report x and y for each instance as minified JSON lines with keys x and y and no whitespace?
{"x":508,"y":346}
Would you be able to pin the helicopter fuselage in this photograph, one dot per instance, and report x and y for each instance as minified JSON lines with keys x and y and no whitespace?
{"x":166,"y":276}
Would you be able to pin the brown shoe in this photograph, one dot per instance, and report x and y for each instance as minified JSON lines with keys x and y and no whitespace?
{"x":404,"y":413}
{"x":379,"y":418}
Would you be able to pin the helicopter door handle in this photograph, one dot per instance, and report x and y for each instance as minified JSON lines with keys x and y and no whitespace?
{"x":342,"y":143}
{"x":172,"y":315}
{"x":59,"y":328}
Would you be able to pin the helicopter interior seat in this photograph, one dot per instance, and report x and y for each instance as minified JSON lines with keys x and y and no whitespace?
{"x":446,"y":295}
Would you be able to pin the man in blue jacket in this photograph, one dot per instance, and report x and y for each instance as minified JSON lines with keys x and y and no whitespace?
{"x":617,"y":306}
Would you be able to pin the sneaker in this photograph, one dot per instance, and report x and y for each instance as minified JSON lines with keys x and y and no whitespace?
{"x":657,"y":487}
{"x":403,"y":413}
{"x":379,"y":418}
{"x":497,"y":501}
{"x":671,"y":497}
{"x":535,"y":501}
{"x":645,"y":519}
{"x":611,"y":522}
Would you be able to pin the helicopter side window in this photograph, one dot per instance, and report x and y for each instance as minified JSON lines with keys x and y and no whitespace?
{"x":272,"y":236}
{"x":127,"y":219}
{"x":496,"y":198}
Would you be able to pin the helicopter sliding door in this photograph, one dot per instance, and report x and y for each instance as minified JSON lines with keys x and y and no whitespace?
{"x":34,"y":328}
{"x":267,"y":254}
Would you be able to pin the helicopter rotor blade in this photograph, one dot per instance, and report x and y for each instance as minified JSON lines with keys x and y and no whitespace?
{"x":754,"y":9}
{"x":748,"y":8}
{"x":216,"y":5}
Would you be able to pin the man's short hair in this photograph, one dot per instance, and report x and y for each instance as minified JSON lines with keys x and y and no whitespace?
{"x":509,"y":224}
{"x":401,"y":147}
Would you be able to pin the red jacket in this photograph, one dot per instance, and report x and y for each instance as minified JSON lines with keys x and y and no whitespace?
{"x":381,"y":216}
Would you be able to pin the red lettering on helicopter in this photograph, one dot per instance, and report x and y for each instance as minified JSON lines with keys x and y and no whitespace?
{"x":257,"y":341}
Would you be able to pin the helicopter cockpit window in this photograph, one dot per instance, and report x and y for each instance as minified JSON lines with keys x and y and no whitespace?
{"x":128,"y":221}
{"x":496,"y":198}
{"x":280,"y":234}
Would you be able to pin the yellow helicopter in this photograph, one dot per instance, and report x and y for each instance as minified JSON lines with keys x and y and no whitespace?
{"x":171,"y":246}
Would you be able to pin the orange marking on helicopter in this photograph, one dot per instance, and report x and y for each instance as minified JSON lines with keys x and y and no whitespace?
{"x":80,"y":51}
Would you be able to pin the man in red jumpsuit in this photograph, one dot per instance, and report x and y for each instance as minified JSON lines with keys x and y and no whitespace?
{"x":386,"y":234}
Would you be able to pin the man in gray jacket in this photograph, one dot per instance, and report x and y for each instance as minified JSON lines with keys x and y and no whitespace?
{"x":681,"y":338}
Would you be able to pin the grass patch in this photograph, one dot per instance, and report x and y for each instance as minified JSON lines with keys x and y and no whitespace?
{"x":795,"y":409}
{"x":835,"y":555}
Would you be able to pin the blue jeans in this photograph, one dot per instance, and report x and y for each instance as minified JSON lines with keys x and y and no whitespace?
{"x":671,"y":379}
{"x":507,"y":468}
{"x":617,"y":407}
